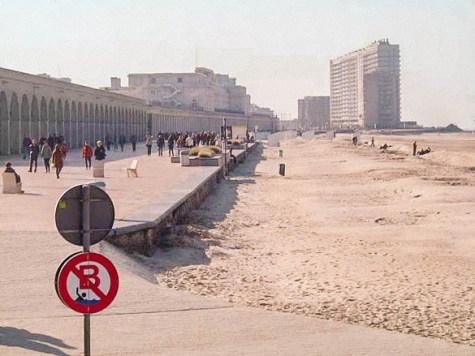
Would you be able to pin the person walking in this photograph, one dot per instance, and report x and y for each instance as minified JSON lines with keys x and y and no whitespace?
{"x":58,"y":160}
{"x":414,"y":148}
{"x":34,"y":149}
{"x":46,"y":154}
{"x":64,"y":149}
{"x":133,"y":140}
{"x":122,"y":142}
{"x":87,"y":154}
{"x":148,"y":144}
{"x":171,"y":145}
{"x":108,"y":142}
{"x":25,"y":146}
{"x":160,"y":144}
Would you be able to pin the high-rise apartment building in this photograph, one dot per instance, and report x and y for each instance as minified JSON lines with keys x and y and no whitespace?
{"x":365,"y":87}
{"x":314,"y":112}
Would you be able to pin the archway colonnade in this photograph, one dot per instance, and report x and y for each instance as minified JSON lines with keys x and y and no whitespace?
{"x":36,"y":107}
{"x":76,"y":120}
{"x":170,"y":120}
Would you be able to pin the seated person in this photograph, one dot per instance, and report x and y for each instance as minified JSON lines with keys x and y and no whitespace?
{"x":9,"y":169}
{"x":423,"y":152}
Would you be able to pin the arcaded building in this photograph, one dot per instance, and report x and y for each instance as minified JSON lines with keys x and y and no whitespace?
{"x":314,"y":112}
{"x":365,"y":87}
{"x":38,"y":105}
{"x":202,"y":90}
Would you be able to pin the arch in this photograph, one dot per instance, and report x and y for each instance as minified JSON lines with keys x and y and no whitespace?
{"x":59,"y":118}
{"x":80,"y":137}
{"x":15,"y":143}
{"x":34,"y":118}
{"x":51,"y":123}
{"x":43,"y":118}
{"x":90,"y":133}
{"x":122,"y":120}
{"x":113,"y":120}
{"x":97,"y":117}
{"x":106,"y":121}
{"x":74,"y":125}
{"x":67,"y":123}
{"x":100,"y":123}
{"x":85,"y":125}
{"x":4,"y":139}
{"x":25,"y":116}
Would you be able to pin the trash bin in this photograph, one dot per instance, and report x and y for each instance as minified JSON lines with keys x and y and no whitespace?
{"x":185,"y":157}
{"x":98,"y":168}
{"x":282,"y":169}
{"x":281,"y":153}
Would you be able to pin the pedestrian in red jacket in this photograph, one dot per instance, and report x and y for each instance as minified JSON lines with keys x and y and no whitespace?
{"x":87,"y":154}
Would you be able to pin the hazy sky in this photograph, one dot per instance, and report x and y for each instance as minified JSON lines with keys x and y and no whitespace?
{"x":280,"y":50}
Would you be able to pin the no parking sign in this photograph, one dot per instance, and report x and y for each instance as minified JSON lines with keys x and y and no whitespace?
{"x":87,"y":282}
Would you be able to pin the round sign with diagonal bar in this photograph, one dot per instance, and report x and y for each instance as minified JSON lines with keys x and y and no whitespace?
{"x":87,"y":282}
{"x":69,"y":214}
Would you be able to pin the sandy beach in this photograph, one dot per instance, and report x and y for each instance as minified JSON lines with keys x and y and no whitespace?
{"x":357,"y":234}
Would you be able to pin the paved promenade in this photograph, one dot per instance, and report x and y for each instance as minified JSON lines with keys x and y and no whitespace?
{"x":146,"y":318}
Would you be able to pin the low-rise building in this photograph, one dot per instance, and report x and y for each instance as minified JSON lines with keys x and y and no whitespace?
{"x":202,"y":90}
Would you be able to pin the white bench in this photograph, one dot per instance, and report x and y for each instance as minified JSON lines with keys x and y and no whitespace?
{"x":132,"y":170}
{"x":10,"y":186}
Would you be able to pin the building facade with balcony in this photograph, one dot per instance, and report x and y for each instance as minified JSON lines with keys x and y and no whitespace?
{"x":202,"y":90}
{"x":365,"y":87}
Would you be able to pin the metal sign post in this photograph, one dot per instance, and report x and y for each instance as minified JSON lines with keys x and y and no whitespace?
{"x":84,"y":216}
{"x":86,"y":242}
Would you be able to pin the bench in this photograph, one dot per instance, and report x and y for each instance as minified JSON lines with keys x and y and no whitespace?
{"x":132,"y":170}
{"x":10,"y":186}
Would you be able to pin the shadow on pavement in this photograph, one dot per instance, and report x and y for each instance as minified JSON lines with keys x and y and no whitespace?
{"x":14,"y":337}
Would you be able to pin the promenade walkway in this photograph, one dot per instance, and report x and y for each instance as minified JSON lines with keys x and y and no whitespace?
{"x":146,"y":318}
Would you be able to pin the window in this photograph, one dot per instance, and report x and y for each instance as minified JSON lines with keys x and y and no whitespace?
{"x":180,"y":80}
{"x":153,"y":81}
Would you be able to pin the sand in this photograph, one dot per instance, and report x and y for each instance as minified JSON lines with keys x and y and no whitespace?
{"x":356,"y":234}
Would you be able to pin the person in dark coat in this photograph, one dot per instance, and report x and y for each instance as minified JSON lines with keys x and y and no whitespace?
{"x":9,"y":169}
{"x":122,"y":142}
{"x":99,"y":151}
{"x":34,"y":150}
{"x":171,"y":145}
{"x":133,"y":140}
{"x":160,"y":144}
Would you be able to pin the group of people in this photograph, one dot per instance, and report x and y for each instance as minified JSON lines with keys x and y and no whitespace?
{"x":109,"y":140}
{"x":177,"y":140}
{"x":87,"y":152}
{"x":53,"y":150}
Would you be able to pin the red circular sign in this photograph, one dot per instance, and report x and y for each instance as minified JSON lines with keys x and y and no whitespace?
{"x":87,"y":282}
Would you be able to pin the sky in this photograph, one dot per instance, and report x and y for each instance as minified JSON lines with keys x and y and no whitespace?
{"x":280,"y":50}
